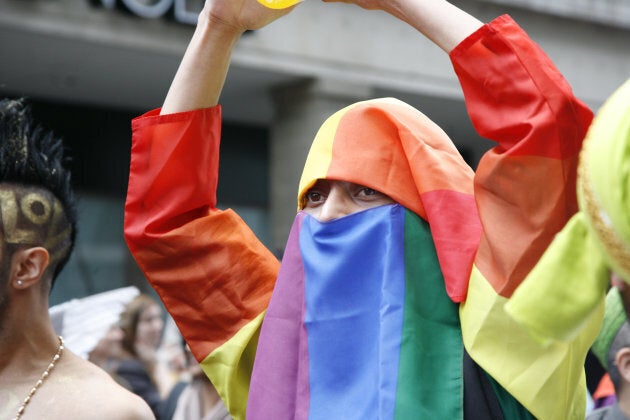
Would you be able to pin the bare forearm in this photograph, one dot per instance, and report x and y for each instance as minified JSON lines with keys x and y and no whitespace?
{"x":440,"y":21}
{"x":203,"y":69}
{"x":202,"y":72}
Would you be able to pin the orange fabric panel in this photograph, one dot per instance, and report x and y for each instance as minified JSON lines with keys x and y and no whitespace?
{"x":402,"y":154}
{"x":229,"y":277}
{"x":524,"y":202}
{"x":210,"y":270}
{"x":525,"y":186}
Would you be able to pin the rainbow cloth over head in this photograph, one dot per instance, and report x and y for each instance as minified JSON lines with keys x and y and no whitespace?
{"x":360,"y":335}
{"x":364,"y":311}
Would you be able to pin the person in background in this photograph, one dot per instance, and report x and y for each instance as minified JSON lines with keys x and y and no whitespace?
{"x":612,"y":348}
{"x":605,"y":393}
{"x":194,"y":397}
{"x":139,"y":366}
{"x":622,"y":284}
{"x":107,"y":352}
{"x":388,"y":302}
{"x":89,"y":325}
{"x":39,"y":377}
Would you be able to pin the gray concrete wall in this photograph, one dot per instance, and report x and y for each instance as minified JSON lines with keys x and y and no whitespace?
{"x":71,"y":51}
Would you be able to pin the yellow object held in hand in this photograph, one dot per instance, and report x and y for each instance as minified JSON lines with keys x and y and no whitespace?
{"x":278,"y":4}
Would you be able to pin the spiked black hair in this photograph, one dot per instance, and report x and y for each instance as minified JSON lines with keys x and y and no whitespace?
{"x":33,"y":157}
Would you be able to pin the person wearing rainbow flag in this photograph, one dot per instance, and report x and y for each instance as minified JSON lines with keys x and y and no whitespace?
{"x":389,"y":301}
{"x":612,"y":349}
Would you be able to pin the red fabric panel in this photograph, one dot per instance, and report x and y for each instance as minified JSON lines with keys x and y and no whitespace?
{"x":521,"y":101}
{"x":525,"y":186}
{"x":176,"y":235}
{"x":456,"y":241}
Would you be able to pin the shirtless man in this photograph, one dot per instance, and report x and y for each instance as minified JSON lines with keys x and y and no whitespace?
{"x":39,"y":378}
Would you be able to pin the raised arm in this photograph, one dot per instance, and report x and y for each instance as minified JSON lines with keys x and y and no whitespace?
{"x":213,"y":275}
{"x":203,"y":69}
{"x":524,"y":191}
{"x":443,"y":23}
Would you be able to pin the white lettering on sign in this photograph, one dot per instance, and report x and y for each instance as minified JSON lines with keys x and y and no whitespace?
{"x":184,"y":11}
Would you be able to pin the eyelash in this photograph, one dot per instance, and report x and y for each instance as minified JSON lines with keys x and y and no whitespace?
{"x":308,"y":195}
{"x":368,"y":192}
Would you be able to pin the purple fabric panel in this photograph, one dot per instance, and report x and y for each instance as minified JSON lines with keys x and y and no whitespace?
{"x":279,"y":386}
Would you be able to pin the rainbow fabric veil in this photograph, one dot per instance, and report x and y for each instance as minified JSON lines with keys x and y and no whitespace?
{"x":360,"y":324}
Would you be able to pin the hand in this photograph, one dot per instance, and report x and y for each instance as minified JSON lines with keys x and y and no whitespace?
{"x":241,"y":15}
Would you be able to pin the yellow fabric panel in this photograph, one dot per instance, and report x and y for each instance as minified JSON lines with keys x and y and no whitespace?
{"x":608,"y":159}
{"x":320,"y":154}
{"x":605,"y":179}
{"x":558,"y":297}
{"x":528,"y":370}
{"x":230,"y":366}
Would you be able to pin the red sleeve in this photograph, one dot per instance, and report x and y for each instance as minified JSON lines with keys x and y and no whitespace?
{"x":525,"y":186}
{"x":209,"y":269}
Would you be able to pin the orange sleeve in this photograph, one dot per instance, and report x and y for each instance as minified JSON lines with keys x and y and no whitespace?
{"x":209,"y":269}
{"x":525,"y":186}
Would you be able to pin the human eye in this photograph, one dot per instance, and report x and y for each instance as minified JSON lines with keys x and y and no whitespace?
{"x":365,"y":191}
{"x":313,"y":198}
{"x":370,"y":195}
{"x":316,"y":195}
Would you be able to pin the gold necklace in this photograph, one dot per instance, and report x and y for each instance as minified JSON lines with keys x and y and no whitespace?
{"x":41,"y":380}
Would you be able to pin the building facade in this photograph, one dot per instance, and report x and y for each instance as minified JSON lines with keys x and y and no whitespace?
{"x":89,"y":66}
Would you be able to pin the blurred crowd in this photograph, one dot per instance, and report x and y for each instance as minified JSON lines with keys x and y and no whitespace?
{"x":145,"y":353}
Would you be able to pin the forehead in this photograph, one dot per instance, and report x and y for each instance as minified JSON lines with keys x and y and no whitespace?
{"x":151,"y":311}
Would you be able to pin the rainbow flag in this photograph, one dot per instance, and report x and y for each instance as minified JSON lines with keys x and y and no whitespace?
{"x":388,"y":145}
{"x":354,"y":329}
{"x":359,"y":325}
{"x":398,"y":340}
{"x":525,"y":191}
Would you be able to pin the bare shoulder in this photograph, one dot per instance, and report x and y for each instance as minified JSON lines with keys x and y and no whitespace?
{"x":99,"y":395}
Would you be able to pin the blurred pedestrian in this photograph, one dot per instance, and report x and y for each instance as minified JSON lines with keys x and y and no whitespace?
{"x":140,"y":367}
{"x":194,"y":398}
{"x":612,"y":347}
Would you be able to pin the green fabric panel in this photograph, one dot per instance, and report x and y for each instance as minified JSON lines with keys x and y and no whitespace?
{"x":614,"y":317}
{"x":430,"y":379}
{"x":512,"y":409}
